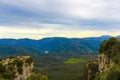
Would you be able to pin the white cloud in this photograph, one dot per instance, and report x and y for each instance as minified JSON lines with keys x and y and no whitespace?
{"x":45,"y":18}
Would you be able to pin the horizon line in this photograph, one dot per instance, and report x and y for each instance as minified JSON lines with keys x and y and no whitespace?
{"x":59,"y":37}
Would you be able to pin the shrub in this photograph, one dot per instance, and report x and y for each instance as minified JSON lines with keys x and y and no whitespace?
{"x":19,"y":64}
{"x":29,"y":60}
{"x":37,"y":76}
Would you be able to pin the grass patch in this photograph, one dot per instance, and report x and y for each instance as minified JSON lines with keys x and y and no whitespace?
{"x":75,"y":60}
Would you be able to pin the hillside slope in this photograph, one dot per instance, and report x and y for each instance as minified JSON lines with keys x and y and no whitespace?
{"x":59,"y":45}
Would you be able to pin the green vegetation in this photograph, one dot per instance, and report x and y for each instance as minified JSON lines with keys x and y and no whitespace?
{"x":111,"y":48}
{"x":11,"y":66}
{"x":54,"y":67}
{"x":57,"y":64}
{"x":7,"y":71}
{"x":108,"y":66}
{"x":2,"y":68}
{"x":110,"y":73}
{"x":37,"y":76}
{"x":75,"y":60}
{"x":91,"y":68}
{"x":19,"y":64}
{"x":108,"y":45}
{"x":29,"y":60}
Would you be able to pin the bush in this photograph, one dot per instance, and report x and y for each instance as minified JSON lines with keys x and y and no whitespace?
{"x":2,"y":68}
{"x":29,"y":60}
{"x":37,"y":76}
{"x":8,"y":75}
{"x":19,"y":64}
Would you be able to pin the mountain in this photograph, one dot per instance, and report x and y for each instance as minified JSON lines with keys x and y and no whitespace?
{"x":118,"y":37}
{"x":6,"y":51}
{"x":59,"y":45}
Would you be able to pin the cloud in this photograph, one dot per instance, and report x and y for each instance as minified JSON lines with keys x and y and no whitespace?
{"x":55,"y":16}
{"x":48,"y":30}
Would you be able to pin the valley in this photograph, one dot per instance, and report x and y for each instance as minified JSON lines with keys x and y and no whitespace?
{"x":56,"y":68}
{"x":62,"y":65}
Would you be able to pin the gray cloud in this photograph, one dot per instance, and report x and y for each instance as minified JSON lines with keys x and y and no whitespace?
{"x":99,"y":15}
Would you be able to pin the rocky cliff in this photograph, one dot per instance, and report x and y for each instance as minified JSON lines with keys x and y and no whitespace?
{"x":91,"y":68}
{"x":108,"y":65}
{"x":103,"y":61}
{"x":16,"y":68}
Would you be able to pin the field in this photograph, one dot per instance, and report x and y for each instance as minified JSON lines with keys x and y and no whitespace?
{"x":75,"y":60}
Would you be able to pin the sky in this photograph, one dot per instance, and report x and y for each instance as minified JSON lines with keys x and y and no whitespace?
{"x":37,"y":19}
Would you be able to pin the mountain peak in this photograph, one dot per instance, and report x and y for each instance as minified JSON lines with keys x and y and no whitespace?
{"x":106,"y":36}
{"x":118,"y":36}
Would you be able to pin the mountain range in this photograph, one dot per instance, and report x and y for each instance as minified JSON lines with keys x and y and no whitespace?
{"x":54,"y":45}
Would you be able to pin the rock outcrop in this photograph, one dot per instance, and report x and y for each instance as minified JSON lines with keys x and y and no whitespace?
{"x":16,"y":68}
{"x":108,"y":62}
{"x":91,"y":68}
{"x":103,"y":60}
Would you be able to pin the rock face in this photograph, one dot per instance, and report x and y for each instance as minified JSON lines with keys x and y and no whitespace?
{"x":26,"y":67}
{"x":108,"y":62}
{"x":20,"y":67}
{"x":91,"y":68}
{"x":103,"y":60}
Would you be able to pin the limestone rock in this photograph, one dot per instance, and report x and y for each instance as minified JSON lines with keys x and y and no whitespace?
{"x":20,"y":67}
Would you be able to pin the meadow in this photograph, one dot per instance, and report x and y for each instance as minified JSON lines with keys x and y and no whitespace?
{"x":75,"y":60}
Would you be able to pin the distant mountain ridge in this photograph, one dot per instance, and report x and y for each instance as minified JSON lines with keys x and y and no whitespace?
{"x":58,"y":45}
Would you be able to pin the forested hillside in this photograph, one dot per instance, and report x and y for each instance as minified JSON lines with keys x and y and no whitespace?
{"x":57,"y":45}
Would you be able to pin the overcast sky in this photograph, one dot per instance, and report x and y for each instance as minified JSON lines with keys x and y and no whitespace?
{"x":59,"y":18}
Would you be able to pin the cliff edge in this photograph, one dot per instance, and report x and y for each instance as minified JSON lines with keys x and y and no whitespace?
{"x":107,"y":67}
{"x":16,"y":68}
